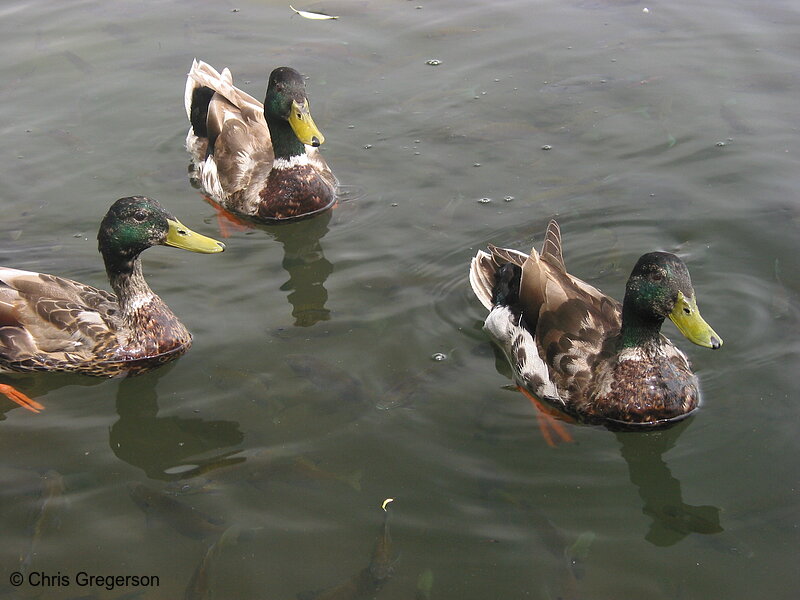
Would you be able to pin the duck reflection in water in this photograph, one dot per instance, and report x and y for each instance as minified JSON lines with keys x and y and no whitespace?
{"x":307,"y":266}
{"x":168,"y":448}
{"x":303,"y":259}
{"x":660,"y":492}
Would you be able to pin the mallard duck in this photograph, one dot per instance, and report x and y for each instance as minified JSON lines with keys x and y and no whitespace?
{"x":580,"y":350}
{"x":259,"y":161}
{"x":48,"y":323}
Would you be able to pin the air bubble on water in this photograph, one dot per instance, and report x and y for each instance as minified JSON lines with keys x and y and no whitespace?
{"x":438,"y":356}
{"x":484,"y":200}
{"x":433,"y":62}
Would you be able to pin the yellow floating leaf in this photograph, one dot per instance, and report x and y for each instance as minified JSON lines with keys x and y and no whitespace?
{"x":385,"y":502}
{"x":312,"y":15}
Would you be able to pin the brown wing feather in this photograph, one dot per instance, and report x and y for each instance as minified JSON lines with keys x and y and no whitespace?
{"x":570,"y":319}
{"x":575,"y":322}
{"x":551,"y":249}
{"x":44,"y":314}
{"x":532,"y":288}
{"x":501,"y":256}
{"x":42,"y":285}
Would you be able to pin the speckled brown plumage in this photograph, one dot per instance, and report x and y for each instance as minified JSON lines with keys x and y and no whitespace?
{"x":652,"y":385}
{"x":294,"y":192}
{"x":563,"y":339}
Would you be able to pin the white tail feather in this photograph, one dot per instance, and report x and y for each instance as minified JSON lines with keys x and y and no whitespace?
{"x":202,"y":74}
{"x":480,"y":280}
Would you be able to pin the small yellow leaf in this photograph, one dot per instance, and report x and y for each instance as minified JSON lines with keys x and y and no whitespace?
{"x":312,"y":15}
{"x":386,"y":502}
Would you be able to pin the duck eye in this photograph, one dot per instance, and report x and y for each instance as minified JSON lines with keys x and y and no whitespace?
{"x":139,"y":216}
{"x":657,"y":276}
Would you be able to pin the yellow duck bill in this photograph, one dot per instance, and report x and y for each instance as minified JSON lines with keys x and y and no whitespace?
{"x":687,"y":319}
{"x":303,"y":125}
{"x":180,"y":236}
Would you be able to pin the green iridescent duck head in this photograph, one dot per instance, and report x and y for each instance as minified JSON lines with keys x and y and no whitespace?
{"x":660,"y":287}
{"x":286,"y":102}
{"x":136,"y":223}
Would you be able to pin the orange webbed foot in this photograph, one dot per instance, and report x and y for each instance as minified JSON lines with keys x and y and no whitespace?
{"x":553,"y":431}
{"x":15,"y":395}
{"x":227,"y":224}
{"x":226,"y":221}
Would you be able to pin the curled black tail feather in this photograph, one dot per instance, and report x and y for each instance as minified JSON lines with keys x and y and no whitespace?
{"x":506,"y":285}
{"x":201,"y":96}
